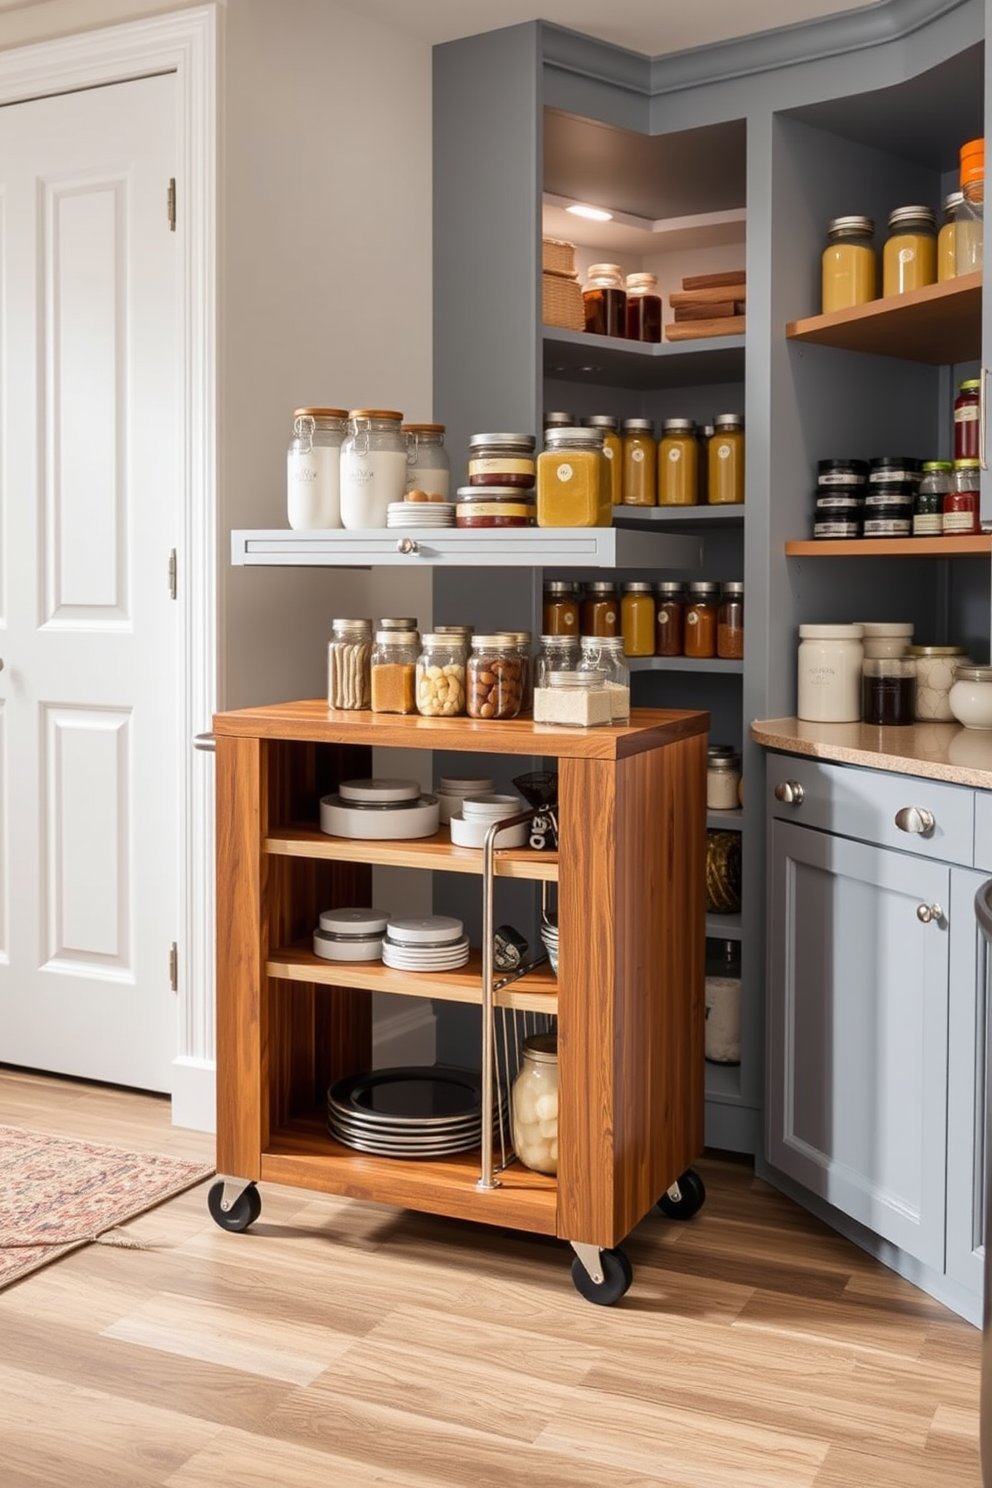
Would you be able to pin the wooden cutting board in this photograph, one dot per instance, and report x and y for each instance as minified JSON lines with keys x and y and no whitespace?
{"x":711,"y":296}
{"x":696,"y":330}
{"x":729,"y":278}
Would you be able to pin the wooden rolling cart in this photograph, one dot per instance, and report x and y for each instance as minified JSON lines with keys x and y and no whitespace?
{"x":628,"y":996}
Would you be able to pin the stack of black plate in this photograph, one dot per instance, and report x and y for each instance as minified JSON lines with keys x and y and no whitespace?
{"x":408,"y":1111}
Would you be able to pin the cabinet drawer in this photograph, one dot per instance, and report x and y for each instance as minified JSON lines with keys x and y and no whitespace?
{"x":854,"y":802}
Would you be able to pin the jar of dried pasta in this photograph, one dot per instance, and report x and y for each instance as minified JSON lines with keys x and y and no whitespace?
{"x":349,"y":653}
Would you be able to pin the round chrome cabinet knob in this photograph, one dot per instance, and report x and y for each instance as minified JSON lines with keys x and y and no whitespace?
{"x":928,"y":913}
{"x":790,"y":791}
{"x":916,"y":819}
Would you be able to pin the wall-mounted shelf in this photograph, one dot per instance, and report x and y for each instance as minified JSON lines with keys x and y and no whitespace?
{"x":578,"y":356}
{"x":678,"y":518}
{"x":939,"y":324}
{"x":895,"y":547}
{"x":485,"y":547}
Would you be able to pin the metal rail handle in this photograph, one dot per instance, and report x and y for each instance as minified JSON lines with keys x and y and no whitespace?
{"x":983,"y":909}
{"x":206,"y":743}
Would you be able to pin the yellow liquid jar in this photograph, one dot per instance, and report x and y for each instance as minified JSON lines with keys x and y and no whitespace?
{"x":640,"y":463}
{"x":637,"y":619}
{"x":947,"y":238}
{"x":573,"y":482}
{"x":678,"y":463}
{"x":725,"y":486}
{"x":909,"y":258}
{"x":848,"y":267}
{"x":609,"y":427}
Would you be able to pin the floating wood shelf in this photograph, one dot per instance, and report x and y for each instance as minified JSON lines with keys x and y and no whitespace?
{"x":939,"y":324}
{"x":895,"y":547}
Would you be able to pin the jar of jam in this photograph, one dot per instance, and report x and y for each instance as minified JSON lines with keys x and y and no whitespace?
{"x":427,"y":465}
{"x":604,"y":298}
{"x":573,"y":480}
{"x":609,"y":427}
{"x":637,"y":619}
{"x":961,"y":504}
{"x":848,"y":269}
{"x":494,"y":506}
{"x":966,"y":419}
{"x":494,"y":688}
{"x":725,"y":485}
{"x":643,"y":308}
{"x":669,"y":619}
{"x":600,"y":612}
{"x":639,"y":463}
{"x":501,"y":460}
{"x":909,"y":258}
{"x":700,"y":620}
{"x":560,"y":610}
{"x":730,"y":623}
{"x":678,"y":463}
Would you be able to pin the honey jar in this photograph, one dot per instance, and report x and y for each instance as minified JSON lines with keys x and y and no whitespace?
{"x":700,"y":620}
{"x":640,"y":458}
{"x":678,"y":462}
{"x":909,"y":258}
{"x":573,"y":480}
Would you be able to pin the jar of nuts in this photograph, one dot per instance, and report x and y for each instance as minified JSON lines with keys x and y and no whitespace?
{"x":441,"y":676}
{"x":394,"y":668}
{"x":495,"y":677}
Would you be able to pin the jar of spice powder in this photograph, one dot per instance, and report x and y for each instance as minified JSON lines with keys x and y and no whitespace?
{"x":730,"y":623}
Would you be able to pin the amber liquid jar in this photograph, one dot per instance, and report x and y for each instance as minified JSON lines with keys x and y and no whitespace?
{"x":560,"y":610}
{"x":604,"y":298}
{"x":643,"y":308}
{"x":609,"y":427}
{"x":669,"y":620}
{"x":678,"y":463}
{"x":701,"y":620}
{"x":725,"y":484}
{"x":600,"y":610}
{"x":640,"y":463}
{"x":637,"y":619}
{"x":730,"y":623}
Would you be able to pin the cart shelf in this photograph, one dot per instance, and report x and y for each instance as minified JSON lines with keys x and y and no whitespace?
{"x":436,"y":853}
{"x":536,"y":992}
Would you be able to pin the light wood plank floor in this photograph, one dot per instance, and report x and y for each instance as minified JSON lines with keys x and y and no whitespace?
{"x":344,"y":1344}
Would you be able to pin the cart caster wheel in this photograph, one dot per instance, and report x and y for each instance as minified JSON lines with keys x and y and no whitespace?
{"x":242,"y":1213}
{"x":617,"y":1276}
{"x":688,"y":1199}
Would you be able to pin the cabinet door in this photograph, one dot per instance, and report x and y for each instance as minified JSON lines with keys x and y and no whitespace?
{"x":968,"y":1061}
{"x":858,"y":1039}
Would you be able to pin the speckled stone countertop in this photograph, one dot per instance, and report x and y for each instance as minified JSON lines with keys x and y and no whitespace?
{"x":936,"y":751}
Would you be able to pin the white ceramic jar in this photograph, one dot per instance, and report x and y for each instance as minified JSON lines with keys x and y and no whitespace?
{"x":887,"y":637}
{"x":971,"y":696}
{"x":313,"y":469}
{"x":829,"y":673}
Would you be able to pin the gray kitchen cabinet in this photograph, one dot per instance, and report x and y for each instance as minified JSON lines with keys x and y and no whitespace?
{"x":877,"y":1015}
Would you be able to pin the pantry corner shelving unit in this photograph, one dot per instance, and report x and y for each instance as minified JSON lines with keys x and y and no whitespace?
{"x":628,"y":996}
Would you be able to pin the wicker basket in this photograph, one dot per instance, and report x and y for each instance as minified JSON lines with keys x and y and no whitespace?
{"x":561,"y":301}
{"x":558,"y":255}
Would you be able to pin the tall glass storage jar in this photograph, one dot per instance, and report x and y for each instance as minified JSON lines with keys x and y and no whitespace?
{"x":535,"y":1104}
{"x":605,"y":654}
{"x":848,"y":269}
{"x":969,"y":231}
{"x":313,"y":468}
{"x":604,"y":298}
{"x":349,"y":654}
{"x":909,"y":258}
{"x":558,"y":653}
{"x":947,"y":262}
{"x":725,"y":483}
{"x":373,"y":467}
{"x":678,"y":463}
{"x":427,"y":465}
{"x":640,"y":463}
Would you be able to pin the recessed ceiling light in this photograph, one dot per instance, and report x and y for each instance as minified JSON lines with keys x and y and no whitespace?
{"x":595,"y":214}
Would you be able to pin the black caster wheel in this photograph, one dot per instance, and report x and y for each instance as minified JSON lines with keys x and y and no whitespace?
{"x":691,"y":1197}
{"x":617,"y":1276}
{"x":243,"y":1212}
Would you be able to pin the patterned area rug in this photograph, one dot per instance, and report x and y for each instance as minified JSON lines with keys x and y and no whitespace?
{"x":57,"y":1194}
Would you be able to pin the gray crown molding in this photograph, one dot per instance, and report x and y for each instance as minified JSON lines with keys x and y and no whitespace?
{"x":764,"y":51}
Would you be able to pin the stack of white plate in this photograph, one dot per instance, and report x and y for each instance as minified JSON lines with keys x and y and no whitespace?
{"x":470,"y":825}
{"x":350,"y":934}
{"x":379,"y":810}
{"x":452,"y":790}
{"x":425,"y":943}
{"x":420,"y":514}
{"x":549,"y":934}
{"x":408,"y":1111}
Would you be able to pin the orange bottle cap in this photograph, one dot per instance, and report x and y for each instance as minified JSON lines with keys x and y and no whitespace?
{"x":972,"y":161}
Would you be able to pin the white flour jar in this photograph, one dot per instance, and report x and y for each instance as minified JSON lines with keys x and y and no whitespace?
{"x":313,"y":468}
{"x":830,"y":658}
{"x":373,"y":467}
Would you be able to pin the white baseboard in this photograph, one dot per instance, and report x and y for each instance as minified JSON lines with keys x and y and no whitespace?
{"x":194,"y":1094}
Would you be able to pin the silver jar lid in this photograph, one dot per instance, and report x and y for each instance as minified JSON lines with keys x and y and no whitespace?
{"x":729,"y":421}
{"x":508,"y":441}
{"x":602,"y":421}
{"x":918,"y":215}
{"x":678,"y":426}
{"x":731,"y":762}
{"x":851,"y":227}
{"x":577,"y":434}
{"x":973,"y":674}
{"x":638,"y":426}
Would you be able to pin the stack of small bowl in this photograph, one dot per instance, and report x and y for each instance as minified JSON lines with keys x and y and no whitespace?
{"x":470,"y":825}
{"x":452,"y":790}
{"x":549,"y":935}
{"x":425,"y":943}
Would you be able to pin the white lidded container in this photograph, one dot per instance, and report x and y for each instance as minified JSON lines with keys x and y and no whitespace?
{"x":829,"y":673}
{"x":350,"y":934}
{"x":887,"y":637}
{"x":373,"y":467}
{"x":313,"y":469}
{"x":971,"y":696}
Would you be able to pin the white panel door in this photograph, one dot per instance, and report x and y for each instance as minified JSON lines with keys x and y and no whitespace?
{"x":89,"y":508}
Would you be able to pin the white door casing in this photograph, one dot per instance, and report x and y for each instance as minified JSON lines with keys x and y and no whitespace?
{"x":88,"y":934}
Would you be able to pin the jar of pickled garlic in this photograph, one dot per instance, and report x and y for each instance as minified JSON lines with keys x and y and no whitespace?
{"x":534,"y":1104}
{"x":573,"y":480}
{"x":725,"y":484}
{"x":637,"y":619}
{"x":848,"y":268}
{"x":640,"y":460}
{"x":909,"y":258}
{"x":678,"y":463}
{"x":609,"y":427}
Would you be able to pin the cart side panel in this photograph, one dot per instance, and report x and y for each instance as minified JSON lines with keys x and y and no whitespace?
{"x":240,"y":956}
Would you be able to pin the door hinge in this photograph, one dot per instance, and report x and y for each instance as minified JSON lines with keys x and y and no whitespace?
{"x":174,"y":967}
{"x":170,"y":199}
{"x":173,"y":580}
